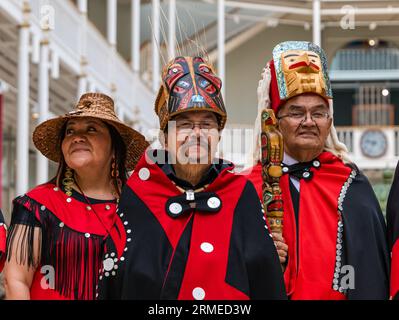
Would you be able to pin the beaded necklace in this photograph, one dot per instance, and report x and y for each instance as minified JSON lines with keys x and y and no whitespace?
{"x":92,"y":208}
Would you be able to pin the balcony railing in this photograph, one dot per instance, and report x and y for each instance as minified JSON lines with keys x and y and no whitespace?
{"x":236,"y":145}
{"x":71,"y":38}
{"x":366,"y":59}
{"x":381,"y":114}
{"x":388,"y":136}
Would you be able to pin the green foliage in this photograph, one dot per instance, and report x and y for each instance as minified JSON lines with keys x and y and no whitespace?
{"x":382,"y":191}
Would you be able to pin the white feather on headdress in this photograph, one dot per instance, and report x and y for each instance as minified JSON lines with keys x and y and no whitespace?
{"x":263,"y":103}
{"x":263,"y":89}
{"x":332,"y":143}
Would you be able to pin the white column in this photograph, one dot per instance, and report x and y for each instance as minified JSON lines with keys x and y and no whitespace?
{"x":82,"y":85}
{"x":23,"y":111}
{"x":43,"y":98}
{"x":316,"y":23}
{"x":155,"y":44}
{"x":82,"y":5}
{"x":35,"y":49}
{"x":121,"y":113}
{"x":172,"y":29}
{"x":82,"y":82}
{"x":92,"y":86}
{"x":135,"y":38}
{"x":55,"y":65}
{"x":221,"y":48}
{"x":112,"y":7}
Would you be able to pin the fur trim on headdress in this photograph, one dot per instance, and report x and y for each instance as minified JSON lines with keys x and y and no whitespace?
{"x":333,"y":144}
{"x":263,"y":103}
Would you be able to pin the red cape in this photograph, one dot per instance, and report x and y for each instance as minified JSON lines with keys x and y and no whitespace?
{"x":309,"y":273}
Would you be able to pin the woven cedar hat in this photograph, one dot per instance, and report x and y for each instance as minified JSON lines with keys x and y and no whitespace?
{"x":46,"y":135}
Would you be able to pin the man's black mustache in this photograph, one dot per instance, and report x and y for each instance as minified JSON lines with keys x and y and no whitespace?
{"x":201,"y":143}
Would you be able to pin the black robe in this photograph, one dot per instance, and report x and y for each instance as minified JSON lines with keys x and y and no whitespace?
{"x":365,"y":242}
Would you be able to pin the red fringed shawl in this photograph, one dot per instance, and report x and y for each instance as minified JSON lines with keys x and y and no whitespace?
{"x":72,"y":240}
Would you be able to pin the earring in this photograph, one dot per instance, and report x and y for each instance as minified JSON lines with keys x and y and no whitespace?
{"x":116,"y":178}
{"x":68,"y":181}
{"x":114,"y":169}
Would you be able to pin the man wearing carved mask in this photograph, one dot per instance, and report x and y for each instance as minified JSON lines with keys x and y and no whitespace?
{"x":333,"y":244}
{"x":194,"y":229}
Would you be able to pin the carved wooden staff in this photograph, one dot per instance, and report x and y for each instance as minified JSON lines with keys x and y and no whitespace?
{"x":272,"y":156}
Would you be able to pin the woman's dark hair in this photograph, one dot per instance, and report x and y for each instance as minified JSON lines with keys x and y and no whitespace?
{"x":118,"y":146}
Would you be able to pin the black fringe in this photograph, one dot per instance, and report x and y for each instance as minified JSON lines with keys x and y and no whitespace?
{"x":21,"y":232}
{"x":75,"y":258}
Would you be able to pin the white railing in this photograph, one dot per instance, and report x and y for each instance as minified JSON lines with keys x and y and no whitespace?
{"x":146,"y":63}
{"x":13,"y":8}
{"x":386,"y":137}
{"x":65,"y":35}
{"x":67,"y":22}
{"x":346,"y":136}
{"x":237,"y":141}
{"x":99,"y":57}
{"x":366,"y":59}
{"x":71,"y":38}
{"x":236,"y":145}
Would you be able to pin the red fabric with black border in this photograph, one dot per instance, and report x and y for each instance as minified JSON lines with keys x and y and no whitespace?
{"x":71,"y":212}
{"x":202,"y":270}
{"x":274,"y":93}
{"x":205,"y":270}
{"x":395,"y":270}
{"x":318,"y":219}
{"x":3,"y":235}
{"x":75,"y":216}
{"x":155,"y":192}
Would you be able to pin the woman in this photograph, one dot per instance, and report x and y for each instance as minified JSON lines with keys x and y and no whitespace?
{"x":58,"y":230}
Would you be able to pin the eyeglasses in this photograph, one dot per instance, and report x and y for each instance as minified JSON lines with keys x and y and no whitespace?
{"x":190,"y":125}
{"x":318,"y":117}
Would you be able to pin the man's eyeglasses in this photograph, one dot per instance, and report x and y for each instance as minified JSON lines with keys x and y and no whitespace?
{"x":318,"y":117}
{"x":190,"y":125}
